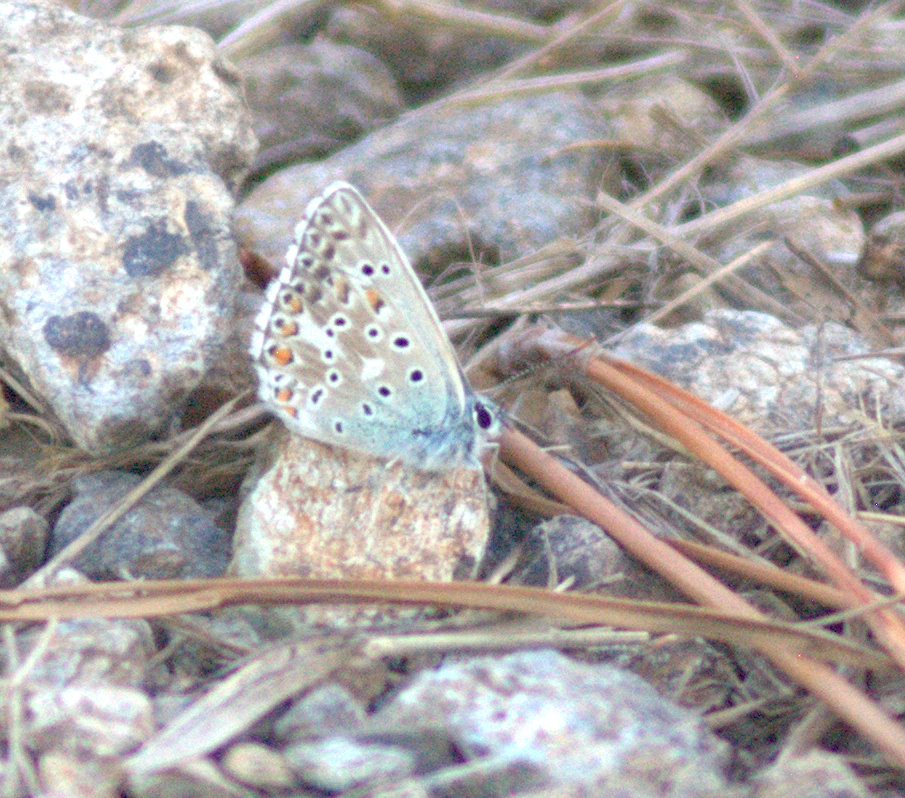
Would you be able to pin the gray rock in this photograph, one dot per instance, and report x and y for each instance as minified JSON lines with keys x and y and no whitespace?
{"x":167,"y":535}
{"x":570,"y":548}
{"x":425,"y":57}
{"x":339,"y":764}
{"x":769,"y":375}
{"x":574,"y":726}
{"x":23,"y":536}
{"x":331,"y":708}
{"x":331,"y":513}
{"x":286,"y":88}
{"x":496,"y":179}
{"x":95,"y":721}
{"x":73,"y":776}
{"x":257,"y":766}
{"x":816,"y":774}
{"x":103,"y":651}
{"x":118,"y":273}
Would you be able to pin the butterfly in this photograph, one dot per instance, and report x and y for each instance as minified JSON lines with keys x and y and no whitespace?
{"x":349,"y":350}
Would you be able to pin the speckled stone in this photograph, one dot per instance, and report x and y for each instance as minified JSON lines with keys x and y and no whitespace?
{"x":118,"y":272}
{"x":323,"y":512}
{"x":769,"y":375}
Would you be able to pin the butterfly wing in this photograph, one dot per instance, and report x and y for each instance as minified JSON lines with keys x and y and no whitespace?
{"x":348,"y":347}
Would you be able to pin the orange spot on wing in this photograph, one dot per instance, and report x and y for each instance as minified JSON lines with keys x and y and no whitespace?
{"x":373,"y":299}
{"x":281,"y":355}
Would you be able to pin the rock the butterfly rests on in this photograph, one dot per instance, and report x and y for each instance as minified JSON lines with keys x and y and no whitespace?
{"x":350,"y":352}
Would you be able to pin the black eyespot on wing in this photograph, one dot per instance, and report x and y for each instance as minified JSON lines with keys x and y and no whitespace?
{"x":384,"y":391}
{"x":416,"y":375}
{"x":367,"y":269}
{"x":384,"y":268}
{"x":401,"y":342}
{"x":367,"y":409}
{"x":338,"y":427}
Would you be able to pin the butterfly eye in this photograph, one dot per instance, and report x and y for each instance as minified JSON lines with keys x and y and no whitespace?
{"x":483,"y":416}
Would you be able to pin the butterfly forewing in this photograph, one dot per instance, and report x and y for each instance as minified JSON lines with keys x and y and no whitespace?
{"x":348,"y":347}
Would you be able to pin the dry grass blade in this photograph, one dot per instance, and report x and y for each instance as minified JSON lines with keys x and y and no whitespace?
{"x":862,"y":318}
{"x":548,"y":83}
{"x":170,"y":597}
{"x":599,"y":19}
{"x":465,"y":19}
{"x":238,"y":701}
{"x":865,"y":105}
{"x":710,"y":267}
{"x":768,"y":35}
{"x":33,"y":401}
{"x":265,"y":26}
{"x":839,"y":168}
{"x":508,"y":481}
{"x":764,"y":573}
